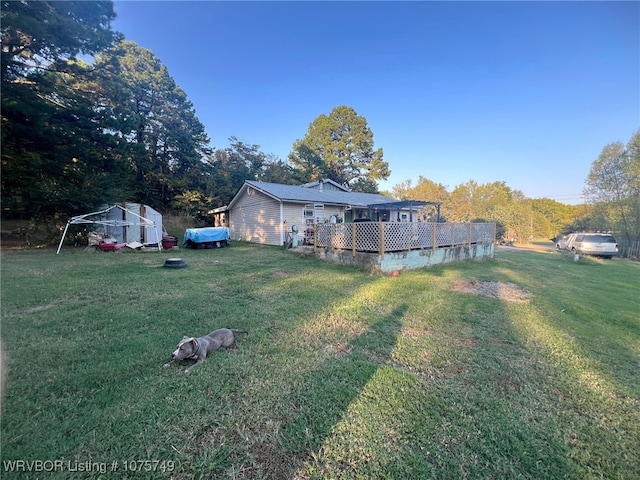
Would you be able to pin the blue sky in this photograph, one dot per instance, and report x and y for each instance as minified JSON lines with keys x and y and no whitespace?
{"x":527,"y":93}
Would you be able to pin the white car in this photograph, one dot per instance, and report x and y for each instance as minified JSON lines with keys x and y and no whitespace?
{"x":562,"y":242}
{"x":594,"y":244}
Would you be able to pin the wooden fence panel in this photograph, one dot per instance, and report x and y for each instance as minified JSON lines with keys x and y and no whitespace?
{"x":630,"y":250}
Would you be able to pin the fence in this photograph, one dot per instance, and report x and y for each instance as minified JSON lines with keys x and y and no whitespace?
{"x":630,"y":250}
{"x":384,"y":237}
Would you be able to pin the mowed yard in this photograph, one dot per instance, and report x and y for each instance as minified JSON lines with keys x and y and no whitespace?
{"x":524,"y":366}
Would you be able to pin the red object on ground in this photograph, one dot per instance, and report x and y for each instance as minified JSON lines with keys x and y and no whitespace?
{"x":169,"y":241}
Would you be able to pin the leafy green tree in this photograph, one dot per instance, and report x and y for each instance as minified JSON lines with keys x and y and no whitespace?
{"x":633,"y":175}
{"x":551,"y":217}
{"x":192,"y":203}
{"x":240,"y":162}
{"x":401,"y":190}
{"x":515,"y":215}
{"x":340,"y":146}
{"x":161,"y":137}
{"x":233,"y":165}
{"x":607,"y":180}
{"x":425,"y":190}
{"x":55,"y":157}
{"x":492,"y":202}
{"x":308,"y":162}
{"x":613,"y":185}
{"x":39,"y":35}
{"x":428,"y":191}
{"x":471,"y":200}
{"x":277,"y":170}
{"x":365,"y":185}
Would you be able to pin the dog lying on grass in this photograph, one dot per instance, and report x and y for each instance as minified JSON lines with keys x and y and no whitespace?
{"x":198,"y":348}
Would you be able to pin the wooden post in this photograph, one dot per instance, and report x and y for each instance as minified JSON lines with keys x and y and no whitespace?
{"x":315,"y":238}
{"x":381,"y":240}
{"x":469,"y":236}
{"x":434,"y":238}
{"x":354,"y":226}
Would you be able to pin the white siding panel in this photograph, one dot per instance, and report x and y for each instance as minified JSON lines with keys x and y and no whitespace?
{"x":330,"y":210}
{"x":255,"y":218}
{"x":152,"y":234}
{"x":294,"y":214}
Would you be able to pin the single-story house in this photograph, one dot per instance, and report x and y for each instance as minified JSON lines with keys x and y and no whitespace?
{"x":266,"y":213}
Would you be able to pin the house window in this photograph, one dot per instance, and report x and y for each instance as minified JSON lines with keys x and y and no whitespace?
{"x":313,"y":213}
{"x":308,"y":214}
{"x":404,"y":217}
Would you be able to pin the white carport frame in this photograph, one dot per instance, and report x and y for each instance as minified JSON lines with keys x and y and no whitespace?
{"x":85,"y":219}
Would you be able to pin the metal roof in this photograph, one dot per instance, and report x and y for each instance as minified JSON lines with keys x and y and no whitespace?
{"x":403,"y":204}
{"x":298,"y":194}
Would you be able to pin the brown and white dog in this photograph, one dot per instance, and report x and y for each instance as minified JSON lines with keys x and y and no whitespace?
{"x":198,"y":348}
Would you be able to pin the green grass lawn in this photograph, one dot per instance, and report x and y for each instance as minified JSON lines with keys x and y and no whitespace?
{"x":344,"y":374}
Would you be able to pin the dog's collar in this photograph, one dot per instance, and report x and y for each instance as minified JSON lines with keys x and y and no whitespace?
{"x":195,"y":354}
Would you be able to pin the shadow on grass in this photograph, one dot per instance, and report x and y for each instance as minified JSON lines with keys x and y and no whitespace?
{"x":323,"y":397}
{"x":510,"y":414}
{"x":562,"y":353}
{"x":589,"y":313}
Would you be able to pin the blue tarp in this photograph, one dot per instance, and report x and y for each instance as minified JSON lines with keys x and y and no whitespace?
{"x":207,"y":234}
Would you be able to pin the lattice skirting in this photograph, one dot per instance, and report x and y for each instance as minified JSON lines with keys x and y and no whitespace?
{"x":399,"y":236}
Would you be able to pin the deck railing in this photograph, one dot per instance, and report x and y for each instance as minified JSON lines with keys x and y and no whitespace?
{"x":384,"y":237}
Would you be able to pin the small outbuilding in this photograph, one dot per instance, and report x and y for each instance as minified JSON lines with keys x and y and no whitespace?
{"x":129,"y":223}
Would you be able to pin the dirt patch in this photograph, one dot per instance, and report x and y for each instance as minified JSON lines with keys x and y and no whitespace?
{"x":337,"y":349}
{"x":508,"y":383}
{"x":415,"y":332}
{"x":509,"y":292}
{"x":281,"y":275}
{"x":536,"y":247}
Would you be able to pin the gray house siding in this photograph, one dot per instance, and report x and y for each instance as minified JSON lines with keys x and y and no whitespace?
{"x":256,"y":218}
{"x":293,"y":213}
{"x":265,"y":212}
{"x":326,"y":185}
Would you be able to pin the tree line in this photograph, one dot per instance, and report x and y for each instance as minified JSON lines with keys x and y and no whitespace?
{"x":77,"y":133}
{"x":90,"y":118}
{"x":612,"y":193}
